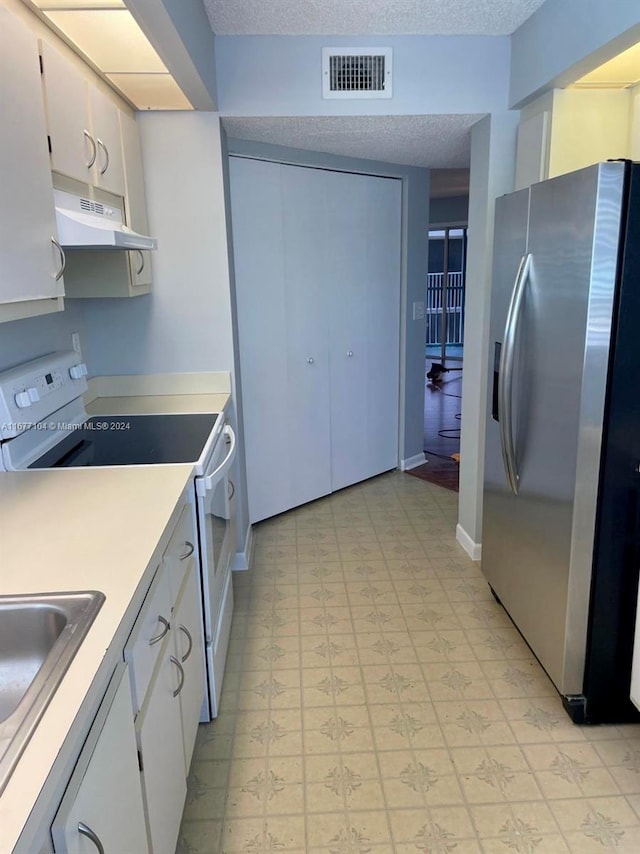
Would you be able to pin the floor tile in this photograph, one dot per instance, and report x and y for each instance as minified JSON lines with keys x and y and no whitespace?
{"x":378,"y":700}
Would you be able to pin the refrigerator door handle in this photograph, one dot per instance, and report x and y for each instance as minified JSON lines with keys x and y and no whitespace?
{"x":505,"y":379}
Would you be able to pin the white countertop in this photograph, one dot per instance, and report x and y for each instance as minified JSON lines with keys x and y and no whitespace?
{"x":157,"y":404}
{"x":79,"y":529}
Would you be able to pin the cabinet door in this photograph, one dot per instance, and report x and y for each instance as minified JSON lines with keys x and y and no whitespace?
{"x":104,"y":796}
{"x":363,"y":228}
{"x":105,"y":123}
{"x":30,"y":261}
{"x":73,"y":147}
{"x":135,"y":201}
{"x":187,"y":624}
{"x":159,"y":731}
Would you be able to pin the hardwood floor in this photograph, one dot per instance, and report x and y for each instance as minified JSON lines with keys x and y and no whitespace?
{"x":442,"y":405}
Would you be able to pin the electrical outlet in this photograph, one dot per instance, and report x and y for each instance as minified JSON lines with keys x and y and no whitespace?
{"x":418,"y":311}
{"x":75,"y":341}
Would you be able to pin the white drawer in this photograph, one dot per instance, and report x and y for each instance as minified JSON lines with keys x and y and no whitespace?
{"x":148,"y":635}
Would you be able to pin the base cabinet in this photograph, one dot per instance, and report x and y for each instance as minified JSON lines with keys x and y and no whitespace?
{"x":102,"y":808}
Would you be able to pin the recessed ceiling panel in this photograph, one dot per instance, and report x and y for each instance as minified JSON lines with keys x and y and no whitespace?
{"x":111,"y":39}
{"x":623,"y":70}
{"x":151,"y":91}
{"x":78,"y":4}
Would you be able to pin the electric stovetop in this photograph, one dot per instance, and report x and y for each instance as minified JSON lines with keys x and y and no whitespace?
{"x":127,"y":440}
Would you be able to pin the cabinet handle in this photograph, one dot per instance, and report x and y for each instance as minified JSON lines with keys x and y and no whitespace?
{"x":163,"y":631}
{"x":85,"y":830}
{"x":190,"y":639}
{"x":94,"y":150}
{"x":141,"y":267}
{"x":106,"y":155}
{"x":175,"y":661}
{"x":231,"y":490}
{"x":310,"y":360}
{"x":189,"y":551}
{"x":63,"y":260}
{"x":349,"y":353}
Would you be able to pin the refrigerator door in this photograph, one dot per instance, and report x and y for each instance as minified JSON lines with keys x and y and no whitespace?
{"x":541,"y":568}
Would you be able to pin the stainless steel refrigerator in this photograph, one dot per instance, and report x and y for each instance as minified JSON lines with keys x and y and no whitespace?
{"x":561,"y":529}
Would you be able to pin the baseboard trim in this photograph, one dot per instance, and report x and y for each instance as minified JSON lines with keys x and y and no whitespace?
{"x":473,"y":549}
{"x":412,"y":462}
{"x":242,"y":561}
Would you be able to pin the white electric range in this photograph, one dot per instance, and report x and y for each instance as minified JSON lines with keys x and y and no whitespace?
{"x":43,"y":424}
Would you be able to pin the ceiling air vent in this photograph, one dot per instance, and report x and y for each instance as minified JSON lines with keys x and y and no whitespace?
{"x":355,"y":72}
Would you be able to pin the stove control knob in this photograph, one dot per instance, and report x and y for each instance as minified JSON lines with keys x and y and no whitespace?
{"x":22,"y":399}
{"x":78,"y":371}
{"x":34,"y":394}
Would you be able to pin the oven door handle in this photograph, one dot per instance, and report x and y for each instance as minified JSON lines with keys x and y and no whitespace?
{"x":205,"y":484}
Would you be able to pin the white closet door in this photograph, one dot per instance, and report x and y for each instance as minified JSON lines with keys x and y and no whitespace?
{"x":285,"y":396}
{"x":308,"y":435}
{"x":363,"y":277}
{"x":256,"y":213}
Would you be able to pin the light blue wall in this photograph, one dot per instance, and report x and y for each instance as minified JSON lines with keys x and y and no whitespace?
{"x":568,"y":36}
{"x":281,"y":75}
{"x":415,"y":248}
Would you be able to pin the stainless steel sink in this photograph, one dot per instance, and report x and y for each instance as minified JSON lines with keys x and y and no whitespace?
{"x":39,"y":636}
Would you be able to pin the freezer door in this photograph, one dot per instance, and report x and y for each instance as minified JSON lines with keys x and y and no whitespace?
{"x":499,"y":552}
{"x":562,"y":342}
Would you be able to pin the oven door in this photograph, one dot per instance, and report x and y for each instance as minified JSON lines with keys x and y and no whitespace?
{"x":216,"y":528}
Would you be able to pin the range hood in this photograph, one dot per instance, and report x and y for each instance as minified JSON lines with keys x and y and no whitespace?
{"x":87,"y":224}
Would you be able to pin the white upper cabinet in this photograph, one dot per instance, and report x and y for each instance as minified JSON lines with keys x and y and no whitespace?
{"x":83,"y":124}
{"x":135,"y":202}
{"x":105,"y":125}
{"x":31,"y":263}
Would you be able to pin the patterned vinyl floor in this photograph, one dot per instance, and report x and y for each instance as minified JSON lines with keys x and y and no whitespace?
{"x":377,"y":700}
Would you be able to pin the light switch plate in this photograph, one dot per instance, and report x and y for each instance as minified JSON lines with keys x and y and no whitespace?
{"x":418,"y":311}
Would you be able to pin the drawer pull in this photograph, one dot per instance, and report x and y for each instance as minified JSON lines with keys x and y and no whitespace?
{"x":94,"y":150}
{"x":175,"y":661}
{"x":231,"y":490}
{"x":190,"y":639}
{"x":85,"y":830}
{"x":189,"y":551}
{"x":163,"y":632}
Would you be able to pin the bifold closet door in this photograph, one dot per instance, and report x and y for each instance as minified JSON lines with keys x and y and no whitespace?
{"x":277,"y":225}
{"x":362,"y":272}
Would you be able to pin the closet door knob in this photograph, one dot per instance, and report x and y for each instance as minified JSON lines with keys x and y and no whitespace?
{"x":349,"y":353}
{"x":310,"y":360}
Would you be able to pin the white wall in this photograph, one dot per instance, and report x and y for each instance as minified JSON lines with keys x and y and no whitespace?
{"x":634,"y":123}
{"x":186,"y":323}
{"x":281,"y":75}
{"x":493,"y":145}
{"x":22,"y":340}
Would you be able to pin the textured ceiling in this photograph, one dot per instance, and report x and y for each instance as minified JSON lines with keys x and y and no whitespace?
{"x":434,"y":141}
{"x":368,"y":17}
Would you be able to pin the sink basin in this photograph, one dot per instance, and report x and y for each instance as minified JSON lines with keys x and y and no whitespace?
{"x":39,"y":636}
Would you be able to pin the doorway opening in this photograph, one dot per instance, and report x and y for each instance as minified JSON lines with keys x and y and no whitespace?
{"x":445,"y":294}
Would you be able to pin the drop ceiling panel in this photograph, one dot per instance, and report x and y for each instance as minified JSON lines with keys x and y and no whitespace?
{"x":368,"y":17}
{"x":151,"y":91}
{"x":441,"y":141}
{"x":111,"y":39}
